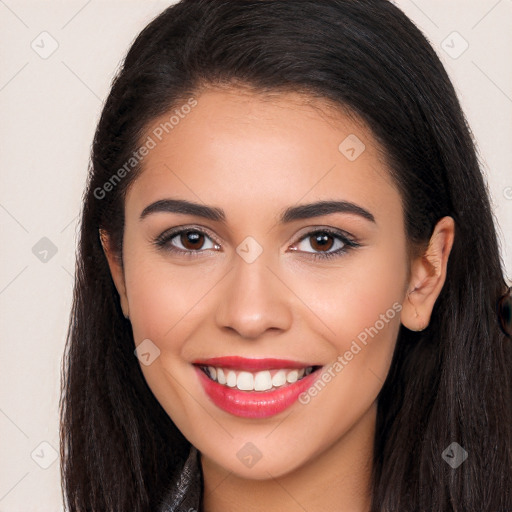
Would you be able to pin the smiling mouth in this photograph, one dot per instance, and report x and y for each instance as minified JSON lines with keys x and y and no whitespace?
{"x":254,"y":388}
{"x":265,"y":380}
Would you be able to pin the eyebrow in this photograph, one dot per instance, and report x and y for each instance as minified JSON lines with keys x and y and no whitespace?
{"x":290,"y":214}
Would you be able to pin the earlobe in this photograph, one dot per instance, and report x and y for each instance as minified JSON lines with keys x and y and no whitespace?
{"x":116,"y":271}
{"x":428,"y":274}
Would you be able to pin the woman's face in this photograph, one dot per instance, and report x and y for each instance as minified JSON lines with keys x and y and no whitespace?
{"x":265,"y":239}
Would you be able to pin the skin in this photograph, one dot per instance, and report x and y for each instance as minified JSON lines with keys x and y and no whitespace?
{"x":253,"y":156}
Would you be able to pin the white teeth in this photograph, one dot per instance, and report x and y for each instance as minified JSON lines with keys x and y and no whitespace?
{"x":279,"y":379}
{"x":231,"y":379}
{"x":221,"y":378}
{"x":262,"y":381}
{"x":292,"y":376}
{"x":258,"y":381}
{"x":245,"y":381}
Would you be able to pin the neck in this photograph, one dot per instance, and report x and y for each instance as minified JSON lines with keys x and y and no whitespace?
{"x":339,"y":478}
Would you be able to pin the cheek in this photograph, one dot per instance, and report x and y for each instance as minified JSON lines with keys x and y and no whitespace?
{"x":360,"y":299}
{"x":165,"y":300}
{"x":360,"y":304}
{"x":167,"y":303}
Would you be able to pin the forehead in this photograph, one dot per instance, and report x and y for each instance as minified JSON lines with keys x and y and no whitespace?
{"x":250,"y":149}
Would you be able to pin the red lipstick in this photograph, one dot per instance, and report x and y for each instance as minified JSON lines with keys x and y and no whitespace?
{"x":254,"y":404}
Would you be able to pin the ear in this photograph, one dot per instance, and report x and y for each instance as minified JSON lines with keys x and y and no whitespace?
{"x":428,"y":274}
{"x":116,"y":270}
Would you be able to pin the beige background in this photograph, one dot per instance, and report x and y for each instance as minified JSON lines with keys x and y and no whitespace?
{"x":49,"y":107}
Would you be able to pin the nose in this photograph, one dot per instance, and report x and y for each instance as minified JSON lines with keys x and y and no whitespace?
{"x":254,"y":300}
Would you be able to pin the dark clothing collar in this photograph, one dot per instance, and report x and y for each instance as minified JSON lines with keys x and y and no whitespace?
{"x":186,"y":494}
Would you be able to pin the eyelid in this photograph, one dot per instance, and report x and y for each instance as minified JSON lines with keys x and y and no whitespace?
{"x":176,"y":230}
{"x":311,"y":230}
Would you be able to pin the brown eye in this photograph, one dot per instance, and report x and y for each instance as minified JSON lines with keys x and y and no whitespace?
{"x":192,"y":240}
{"x":325,"y":244}
{"x":186,"y":241}
{"x":321,"y":241}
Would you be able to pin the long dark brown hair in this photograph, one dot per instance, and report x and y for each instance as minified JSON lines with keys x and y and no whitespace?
{"x":450,"y":383}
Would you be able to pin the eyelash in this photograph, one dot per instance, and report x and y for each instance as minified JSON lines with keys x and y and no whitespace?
{"x":163,"y":242}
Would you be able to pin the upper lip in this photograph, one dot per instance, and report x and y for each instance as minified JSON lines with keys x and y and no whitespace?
{"x":243,"y":363}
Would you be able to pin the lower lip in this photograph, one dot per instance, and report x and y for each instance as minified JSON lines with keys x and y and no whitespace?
{"x":255,"y":404}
